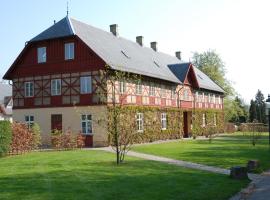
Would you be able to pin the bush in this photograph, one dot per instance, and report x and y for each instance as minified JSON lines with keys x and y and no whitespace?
{"x":22,"y":138}
{"x":230,"y":128}
{"x":66,"y":140}
{"x":36,"y":142}
{"x":5,"y":137}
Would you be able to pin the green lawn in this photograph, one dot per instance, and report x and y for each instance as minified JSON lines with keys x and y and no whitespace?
{"x":225,"y":151}
{"x":94,"y":175}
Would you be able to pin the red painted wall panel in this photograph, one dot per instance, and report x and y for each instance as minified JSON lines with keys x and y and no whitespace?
{"x":85,"y":59}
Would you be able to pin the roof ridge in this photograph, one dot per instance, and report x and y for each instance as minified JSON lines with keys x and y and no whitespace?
{"x":70,"y":25}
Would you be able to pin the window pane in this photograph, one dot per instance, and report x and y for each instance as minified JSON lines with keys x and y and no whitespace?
{"x":83,"y":117}
{"x":41,"y":54}
{"x":69,"y":51}
{"x":86,"y":84}
{"x":89,"y":117}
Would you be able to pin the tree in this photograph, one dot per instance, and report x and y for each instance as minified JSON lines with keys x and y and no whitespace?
{"x":211,"y":64}
{"x":260,"y":107}
{"x":252,"y":111}
{"x":112,"y":91}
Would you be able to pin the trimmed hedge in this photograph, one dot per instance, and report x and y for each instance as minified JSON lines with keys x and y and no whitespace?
{"x":5,"y":137}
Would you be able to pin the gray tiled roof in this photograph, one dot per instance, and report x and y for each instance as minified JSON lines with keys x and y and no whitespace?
{"x":125,"y":55}
{"x":59,"y":29}
{"x":205,"y":82}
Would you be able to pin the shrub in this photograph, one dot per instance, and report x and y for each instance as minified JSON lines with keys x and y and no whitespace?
{"x":66,"y":140}
{"x":80,"y":141}
{"x":22,"y":138}
{"x":5,"y":137}
{"x":56,"y":139}
{"x":36,"y":142}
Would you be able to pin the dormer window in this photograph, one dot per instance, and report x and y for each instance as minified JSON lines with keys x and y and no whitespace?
{"x":69,"y":51}
{"x":42,"y":55}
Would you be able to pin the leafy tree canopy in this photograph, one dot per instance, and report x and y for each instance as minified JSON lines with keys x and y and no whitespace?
{"x":211,"y":64}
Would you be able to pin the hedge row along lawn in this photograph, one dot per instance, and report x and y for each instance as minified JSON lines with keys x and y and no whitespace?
{"x":225,"y":151}
{"x":94,"y":175}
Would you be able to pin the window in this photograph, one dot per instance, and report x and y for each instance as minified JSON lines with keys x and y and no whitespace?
{"x":163,"y":91}
{"x":86,"y":124}
{"x":55,"y":87}
{"x":152,"y":89}
{"x":42,"y":57}
{"x":173,"y":93}
{"x":163,"y":121}
{"x":29,"y":89}
{"x":203,"y":99}
{"x":139,"y":122}
{"x":29,"y":120}
{"x":186,"y":94}
{"x":122,"y":87}
{"x":69,"y":51}
{"x":139,"y":88}
{"x":86,"y":84}
{"x":203,"y":120}
{"x":215,"y":119}
{"x":197,"y":97}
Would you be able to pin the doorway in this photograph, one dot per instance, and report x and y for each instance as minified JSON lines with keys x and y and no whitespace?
{"x":186,"y":124}
{"x":56,"y":122}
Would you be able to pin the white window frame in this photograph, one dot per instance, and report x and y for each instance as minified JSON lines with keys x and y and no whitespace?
{"x":203,"y":120}
{"x":69,"y":51}
{"x":139,"y":88}
{"x":163,"y":91}
{"x":122,"y":87}
{"x":86,"y":120}
{"x":152,"y":89}
{"x":139,"y":122}
{"x":85,"y":88}
{"x":29,"y":89}
{"x":56,"y":87}
{"x":42,"y":54}
{"x":29,"y":120}
{"x":203,"y":98}
{"x":163,"y":121}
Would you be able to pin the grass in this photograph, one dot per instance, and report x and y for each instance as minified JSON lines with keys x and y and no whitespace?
{"x":94,"y":175}
{"x":225,"y":151}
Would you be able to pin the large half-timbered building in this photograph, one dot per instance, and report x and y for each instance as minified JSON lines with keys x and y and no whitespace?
{"x":56,"y":76}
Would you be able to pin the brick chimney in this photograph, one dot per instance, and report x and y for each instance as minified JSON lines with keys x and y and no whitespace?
{"x":154,"y":45}
{"x":178,"y":55}
{"x":114,"y":29}
{"x":139,"y":40}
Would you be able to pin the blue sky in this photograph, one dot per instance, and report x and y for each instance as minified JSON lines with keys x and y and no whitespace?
{"x":237,"y":29}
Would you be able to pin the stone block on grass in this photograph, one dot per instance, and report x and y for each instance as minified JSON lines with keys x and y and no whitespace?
{"x":238,"y":172}
{"x":253,"y":165}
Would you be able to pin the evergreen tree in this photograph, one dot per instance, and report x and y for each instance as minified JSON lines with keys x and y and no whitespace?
{"x":252,"y":111}
{"x":260,"y":107}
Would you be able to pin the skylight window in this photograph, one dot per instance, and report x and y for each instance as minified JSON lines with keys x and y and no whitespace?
{"x":125,"y":54}
{"x":200,"y":77}
{"x":156,"y":64}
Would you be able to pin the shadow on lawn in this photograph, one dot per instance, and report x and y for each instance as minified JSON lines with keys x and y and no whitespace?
{"x":136,"y":179}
